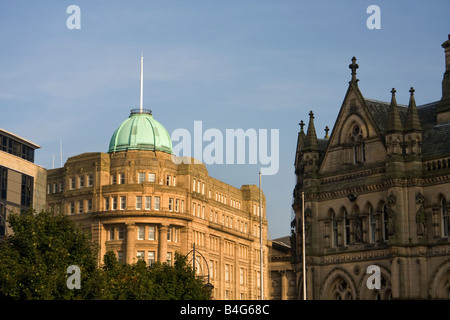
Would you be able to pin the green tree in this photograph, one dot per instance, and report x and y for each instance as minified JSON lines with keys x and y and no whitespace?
{"x":35,"y":258}
{"x":178,"y":282}
{"x":160,"y":281}
{"x":125,"y":281}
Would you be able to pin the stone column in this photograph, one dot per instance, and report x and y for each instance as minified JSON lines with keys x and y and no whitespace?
{"x":284,"y":287}
{"x":131,"y":246}
{"x":162,"y":245}
{"x":395,"y":277}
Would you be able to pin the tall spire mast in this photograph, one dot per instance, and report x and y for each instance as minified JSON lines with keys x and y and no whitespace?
{"x":142,"y":82}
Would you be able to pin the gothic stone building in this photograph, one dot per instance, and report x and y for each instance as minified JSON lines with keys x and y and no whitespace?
{"x":140,"y":204}
{"x":376,"y":192}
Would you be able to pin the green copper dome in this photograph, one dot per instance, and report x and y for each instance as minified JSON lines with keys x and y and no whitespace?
{"x":140,"y":132}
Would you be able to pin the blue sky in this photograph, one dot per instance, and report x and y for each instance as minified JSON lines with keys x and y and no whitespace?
{"x":231,"y":64}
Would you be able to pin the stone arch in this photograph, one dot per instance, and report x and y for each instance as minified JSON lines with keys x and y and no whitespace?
{"x":349,"y":124}
{"x":439,"y":285}
{"x":338,"y":285}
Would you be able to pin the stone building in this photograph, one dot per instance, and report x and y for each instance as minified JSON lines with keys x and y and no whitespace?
{"x":22,"y":182}
{"x":376,"y":193}
{"x":282,"y":276}
{"x":141,"y":202}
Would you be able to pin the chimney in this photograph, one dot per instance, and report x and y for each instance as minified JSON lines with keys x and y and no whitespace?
{"x":443,"y":110}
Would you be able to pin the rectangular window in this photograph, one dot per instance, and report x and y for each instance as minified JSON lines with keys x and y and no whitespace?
{"x":54,"y":188}
{"x":174,"y":181}
{"x":151,"y":258}
{"x":157,"y":201}
{"x":61,"y":187}
{"x":169,"y":258}
{"x":227,"y":272}
{"x":113,"y":179}
{"x":26,"y":195}
{"x":123,"y":203}
{"x":89,"y":205}
{"x":169,"y":180}
{"x":121,"y":233}
{"x":81,"y":182}
{"x":182,"y":206}
{"x":80,"y":206}
{"x":141,"y":177}
{"x":171,"y":204}
{"x":120,"y":257}
{"x":114,"y":203}
{"x":177,"y":205}
{"x":141,"y":232}
{"x":3,"y":183}
{"x":90,"y":180}
{"x":138,"y":202}
{"x":111,"y":233}
{"x":151,"y":177}
{"x":122,"y":178}
{"x":72,"y":183}
{"x":141,"y":255}
{"x":169,"y":234}
{"x":148,"y":203}
{"x":106,"y":204}
{"x":72,"y":208}
{"x":151,"y":232}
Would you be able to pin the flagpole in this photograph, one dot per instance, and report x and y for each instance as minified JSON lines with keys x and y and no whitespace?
{"x":142,"y":84}
{"x":261,"y":240}
{"x":303,"y":246}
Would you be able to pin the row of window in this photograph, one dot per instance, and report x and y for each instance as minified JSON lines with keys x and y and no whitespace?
{"x":78,"y":182}
{"x":149,"y":232}
{"x":151,"y":257}
{"x":80,"y":206}
{"x":228,"y":272}
{"x":16,"y":148}
{"x":199,"y":187}
{"x":144,"y":232}
{"x":83,"y":181}
{"x":356,"y":225}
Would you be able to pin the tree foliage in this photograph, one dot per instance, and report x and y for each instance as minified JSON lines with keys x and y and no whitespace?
{"x":35,"y":258}
{"x":160,"y":281}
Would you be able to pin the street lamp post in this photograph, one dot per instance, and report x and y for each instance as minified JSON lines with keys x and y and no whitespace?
{"x":303,"y":246}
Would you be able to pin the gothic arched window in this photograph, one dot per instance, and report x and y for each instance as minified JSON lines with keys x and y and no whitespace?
{"x":334,"y":230}
{"x":385,"y":224}
{"x":445,"y":218}
{"x":359,"y":148}
{"x":346,"y":228}
{"x":372,"y":225}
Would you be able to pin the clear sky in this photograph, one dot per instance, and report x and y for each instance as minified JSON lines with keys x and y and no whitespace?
{"x":229,"y":63}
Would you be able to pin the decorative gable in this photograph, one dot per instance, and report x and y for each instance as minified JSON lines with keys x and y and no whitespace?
{"x":356,"y":138}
